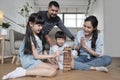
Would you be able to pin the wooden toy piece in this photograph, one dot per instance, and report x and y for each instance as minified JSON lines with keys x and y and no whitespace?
{"x":67,"y":59}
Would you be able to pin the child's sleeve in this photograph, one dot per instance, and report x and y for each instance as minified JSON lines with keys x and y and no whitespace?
{"x":53,"y":49}
{"x":66,"y":45}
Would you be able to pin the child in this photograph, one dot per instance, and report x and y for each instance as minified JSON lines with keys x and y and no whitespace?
{"x":31,"y":52}
{"x":60,"y":38}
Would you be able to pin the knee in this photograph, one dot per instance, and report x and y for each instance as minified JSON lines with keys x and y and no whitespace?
{"x":107,"y":59}
{"x":53,"y":72}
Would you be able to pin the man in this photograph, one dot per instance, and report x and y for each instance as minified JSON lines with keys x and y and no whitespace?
{"x":51,"y":19}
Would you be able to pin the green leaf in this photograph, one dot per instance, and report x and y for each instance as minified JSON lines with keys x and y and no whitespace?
{"x":5,"y":25}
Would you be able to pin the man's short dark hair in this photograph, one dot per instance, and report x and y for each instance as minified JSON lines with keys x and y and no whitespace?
{"x":60,"y":34}
{"x":54,"y":3}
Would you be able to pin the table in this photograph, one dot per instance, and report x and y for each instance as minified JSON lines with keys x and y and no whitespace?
{"x":2,"y":39}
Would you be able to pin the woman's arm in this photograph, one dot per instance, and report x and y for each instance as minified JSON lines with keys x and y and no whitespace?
{"x":92,"y":52}
{"x":77,"y":44}
{"x":78,"y":47}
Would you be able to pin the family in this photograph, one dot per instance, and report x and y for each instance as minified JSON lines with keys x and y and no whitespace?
{"x":88,"y":43}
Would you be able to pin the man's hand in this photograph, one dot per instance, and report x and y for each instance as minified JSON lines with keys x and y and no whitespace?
{"x":72,"y":38}
{"x":50,"y":40}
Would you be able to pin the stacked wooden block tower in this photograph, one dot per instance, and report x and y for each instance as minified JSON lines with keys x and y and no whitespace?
{"x":67,"y":59}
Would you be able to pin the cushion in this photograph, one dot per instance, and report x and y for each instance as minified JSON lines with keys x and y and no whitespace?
{"x":17,"y":44}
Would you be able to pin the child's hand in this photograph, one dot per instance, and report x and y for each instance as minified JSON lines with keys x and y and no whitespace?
{"x":52,"y":61}
{"x":45,"y":52}
{"x":58,"y":52}
{"x":57,"y":59}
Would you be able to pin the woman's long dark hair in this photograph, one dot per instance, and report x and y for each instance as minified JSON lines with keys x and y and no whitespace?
{"x":29,"y":36}
{"x":94,"y":23}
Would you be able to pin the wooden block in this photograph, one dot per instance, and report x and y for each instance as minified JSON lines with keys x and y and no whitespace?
{"x":65,"y":66}
{"x":67,"y":59}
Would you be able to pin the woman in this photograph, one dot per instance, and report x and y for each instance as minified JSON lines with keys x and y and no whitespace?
{"x":89,"y":44}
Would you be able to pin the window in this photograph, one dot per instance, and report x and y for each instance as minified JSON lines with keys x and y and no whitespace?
{"x":72,"y":20}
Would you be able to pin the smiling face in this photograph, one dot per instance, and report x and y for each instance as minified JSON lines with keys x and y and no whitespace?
{"x":52,"y":11}
{"x":60,"y":41}
{"x":88,"y":28}
{"x":36,"y":28}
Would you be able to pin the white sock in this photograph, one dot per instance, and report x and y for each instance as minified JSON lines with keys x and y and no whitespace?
{"x":102,"y":68}
{"x":18,"y":72}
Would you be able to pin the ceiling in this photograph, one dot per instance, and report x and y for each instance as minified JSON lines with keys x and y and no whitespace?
{"x":65,"y":5}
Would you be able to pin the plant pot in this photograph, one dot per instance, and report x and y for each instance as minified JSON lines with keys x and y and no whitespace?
{"x":4,"y":31}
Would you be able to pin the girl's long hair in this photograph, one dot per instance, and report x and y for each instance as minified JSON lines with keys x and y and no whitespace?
{"x":29,"y":36}
{"x":94,"y":23}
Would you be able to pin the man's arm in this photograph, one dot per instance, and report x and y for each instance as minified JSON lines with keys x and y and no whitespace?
{"x":50,"y":40}
{"x":65,"y":30}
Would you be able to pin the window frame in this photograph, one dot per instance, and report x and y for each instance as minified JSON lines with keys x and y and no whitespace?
{"x":76,"y":19}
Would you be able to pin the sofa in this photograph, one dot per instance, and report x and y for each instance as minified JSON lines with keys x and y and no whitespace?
{"x":17,"y":37}
{"x":15,"y":40}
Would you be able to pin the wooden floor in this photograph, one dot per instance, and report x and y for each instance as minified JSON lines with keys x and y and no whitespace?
{"x":114,"y":73}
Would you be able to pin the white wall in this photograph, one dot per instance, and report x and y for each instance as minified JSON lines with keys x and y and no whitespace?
{"x":112,"y":27}
{"x":97,"y":10}
{"x":65,"y":5}
{"x":10,"y":9}
{"x":108,"y":14}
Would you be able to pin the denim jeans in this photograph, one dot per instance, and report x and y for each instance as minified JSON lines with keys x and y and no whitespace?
{"x":83,"y":63}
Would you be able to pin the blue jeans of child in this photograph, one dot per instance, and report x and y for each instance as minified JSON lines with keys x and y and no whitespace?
{"x":83,"y":63}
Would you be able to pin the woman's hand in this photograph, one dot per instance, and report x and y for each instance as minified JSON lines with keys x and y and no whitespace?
{"x":83,"y":43}
{"x":92,"y":52}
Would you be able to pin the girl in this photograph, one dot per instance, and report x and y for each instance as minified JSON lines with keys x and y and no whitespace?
{"x":89,"y":43}
{"x":31,"y":52}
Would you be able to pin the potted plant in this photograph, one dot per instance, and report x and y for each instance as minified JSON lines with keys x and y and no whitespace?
{"x":25,"y":11}
{"x":5,"y":26}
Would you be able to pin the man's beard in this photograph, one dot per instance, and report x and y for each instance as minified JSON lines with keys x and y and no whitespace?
{"x":53,"y":16}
